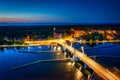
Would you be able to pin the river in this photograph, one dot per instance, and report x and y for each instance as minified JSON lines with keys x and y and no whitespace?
{"x":63,"y":70}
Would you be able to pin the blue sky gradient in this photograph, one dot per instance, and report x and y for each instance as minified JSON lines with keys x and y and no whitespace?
{"x":60,"y":11}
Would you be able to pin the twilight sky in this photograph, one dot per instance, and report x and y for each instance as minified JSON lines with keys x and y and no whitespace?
{"x":60,"y":11}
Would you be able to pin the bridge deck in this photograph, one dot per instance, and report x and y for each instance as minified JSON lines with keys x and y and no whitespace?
{"x":101,"y":71}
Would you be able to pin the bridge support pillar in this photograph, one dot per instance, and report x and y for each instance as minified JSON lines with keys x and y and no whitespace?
{"x":75,"y":58}
{"x":59,"y":48}
{"x":89,"y":77}
{"x":94,"y":58}
{"x":54,"y":48}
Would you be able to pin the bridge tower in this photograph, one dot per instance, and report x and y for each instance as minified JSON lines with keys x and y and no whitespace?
{"x":82,"y":48}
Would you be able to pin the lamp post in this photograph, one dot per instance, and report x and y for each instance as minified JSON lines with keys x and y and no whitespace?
{"x":54,"y":31}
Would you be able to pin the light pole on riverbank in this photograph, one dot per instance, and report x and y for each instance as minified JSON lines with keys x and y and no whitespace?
{"x":54,"y":31}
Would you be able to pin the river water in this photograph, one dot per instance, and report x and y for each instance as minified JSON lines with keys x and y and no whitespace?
{"x":62,"y":70}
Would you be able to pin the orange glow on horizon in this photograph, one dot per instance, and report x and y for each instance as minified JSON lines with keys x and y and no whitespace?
{"x":18,"y":19}
{"x":28,"y":19}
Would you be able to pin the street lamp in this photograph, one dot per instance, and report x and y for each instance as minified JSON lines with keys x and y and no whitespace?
{"x":54,"y":31}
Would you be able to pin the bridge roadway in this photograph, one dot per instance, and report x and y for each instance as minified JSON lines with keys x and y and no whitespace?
{"x":98,"y":69}
{"x":101,"y":71}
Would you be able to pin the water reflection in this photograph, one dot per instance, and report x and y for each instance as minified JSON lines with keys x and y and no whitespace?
{"x":39,"y":47}
{"x":69,"y":66}
{"x":10,"y":48}
{"x":1,"y":49}
{"x":78,"y":75}
{"x":18,"y":47}
{"x":71,"y":73}
{"x":91,"y":44}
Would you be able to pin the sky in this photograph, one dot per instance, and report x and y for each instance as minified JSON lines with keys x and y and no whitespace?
{"x":60,"y":11}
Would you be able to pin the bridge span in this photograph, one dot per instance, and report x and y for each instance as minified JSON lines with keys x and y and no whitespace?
{"x":98,"y":69}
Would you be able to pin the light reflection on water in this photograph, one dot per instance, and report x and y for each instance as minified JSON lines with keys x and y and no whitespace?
{"x":11,"y":57}
{"x":42,"y":71}
{"x":78,"y":74}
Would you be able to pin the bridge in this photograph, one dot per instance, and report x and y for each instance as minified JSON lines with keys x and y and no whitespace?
{"x":98,"y":69}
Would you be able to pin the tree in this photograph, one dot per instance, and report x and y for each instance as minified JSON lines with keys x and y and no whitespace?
{"x":49,"y":37}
